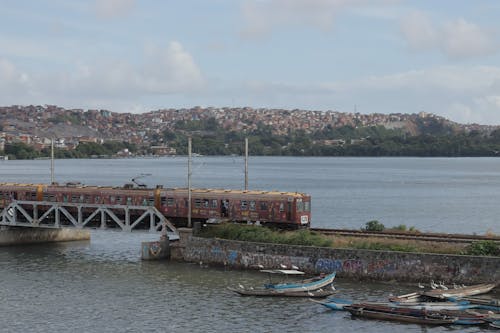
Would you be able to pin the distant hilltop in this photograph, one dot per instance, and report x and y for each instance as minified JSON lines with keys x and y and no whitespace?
{"x":219,"y":131}
{"x":54,"y":121}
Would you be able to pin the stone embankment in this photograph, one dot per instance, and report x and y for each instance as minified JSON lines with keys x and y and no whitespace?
{"x":348,"y":263}
{"x":17,"y":236}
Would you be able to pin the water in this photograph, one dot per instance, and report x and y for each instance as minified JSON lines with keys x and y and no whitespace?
{"x":432,"y":194}
{"x":103,"y":286}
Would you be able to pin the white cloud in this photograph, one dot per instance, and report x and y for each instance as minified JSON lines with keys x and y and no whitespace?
{"x":262,"y":17}
{"x":166,"y":71}
{"x":457,"y":39}
{"x":419,"y":31}
{"x":113,"y":8}
{"x":462,"y":94}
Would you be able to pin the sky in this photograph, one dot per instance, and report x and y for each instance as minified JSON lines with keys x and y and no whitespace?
{"x":367,"y":56}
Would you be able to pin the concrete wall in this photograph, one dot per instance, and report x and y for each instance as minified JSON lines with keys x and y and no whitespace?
{"x":357,"y":264}
{"x":17,"y":236}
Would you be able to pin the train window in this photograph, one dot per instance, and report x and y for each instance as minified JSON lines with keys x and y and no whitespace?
{"x":86,"y":198}
{"x":282,"y":207}
{"x":243,"y":205}
{"x":129,"y":201}
{"x":307,"y":206}
{"x":300,"y":206}
{"x":1,"y":195}
{"x":163,"y":201}
{"x":170,"y":201}
{"x":151,"y":201}
{"x":119,"y":200}
{"x":197,"y":203}
{"x":205,"y":203}
{"x":263,"y":205}
{"x":112,"y":199}
{"x":214,"y":203}
{"x":97,"y":199}
{"x":252,"y":205}
{"x":74,"y":198}
{"x":65,"y":197}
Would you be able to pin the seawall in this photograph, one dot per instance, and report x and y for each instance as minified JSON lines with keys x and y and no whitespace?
{"x":348,"y":263}
{"x":17,"y":236}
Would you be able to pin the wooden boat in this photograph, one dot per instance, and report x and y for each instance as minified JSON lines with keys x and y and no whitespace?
{"x":339,"y":303}
{"x":461,"y":292}
{"x":336,"y":304}
{"x":320,"y":293}
{"x":483,"y":303}
{"x":394,"y":314}
{"x":320,"y":286}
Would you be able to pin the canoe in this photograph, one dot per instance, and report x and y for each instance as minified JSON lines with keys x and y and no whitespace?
{"x":420,"y":296}
{"x":407,"y":317}
{"x":461,"y":292}
{"x":336,"y":304}
{"x":339,"y":303}
{"x":320,"y":286}
{"x":315,"y":283}
{"x":320,"y":293}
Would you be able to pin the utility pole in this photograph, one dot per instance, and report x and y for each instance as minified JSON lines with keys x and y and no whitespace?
{"x":246,"y":164}
{"x":189,"y":182}
{"x":52,"y":161}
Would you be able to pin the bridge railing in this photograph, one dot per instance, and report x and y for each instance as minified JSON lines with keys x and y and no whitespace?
{"x":48,"y":214}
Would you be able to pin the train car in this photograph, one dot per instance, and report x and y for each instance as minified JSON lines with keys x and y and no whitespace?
{"x":281,"y":209}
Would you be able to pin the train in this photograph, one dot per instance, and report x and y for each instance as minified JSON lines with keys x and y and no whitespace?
{"x":290,"y":210}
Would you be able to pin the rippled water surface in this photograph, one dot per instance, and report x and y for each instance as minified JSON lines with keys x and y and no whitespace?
{"x":103,"y":286}
{"x":432,"y":194}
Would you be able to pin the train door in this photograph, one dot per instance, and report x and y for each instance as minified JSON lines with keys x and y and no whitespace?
{"x":224,"y":208}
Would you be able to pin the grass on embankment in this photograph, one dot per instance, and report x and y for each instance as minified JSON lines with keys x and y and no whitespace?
{"x":252,"y":233}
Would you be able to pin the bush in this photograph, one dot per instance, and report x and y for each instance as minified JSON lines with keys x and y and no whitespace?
{"x":374,"y":225}
{"x":260,"y":234}
{"x":483,"y":248}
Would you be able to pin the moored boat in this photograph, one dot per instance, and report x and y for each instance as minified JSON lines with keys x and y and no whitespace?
{"x":395,"y":314}
{"x":462,"y":291}
{"x":320,"y":286}
{"x":455,"y":293}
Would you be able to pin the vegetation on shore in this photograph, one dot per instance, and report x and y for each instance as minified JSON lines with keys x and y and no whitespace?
{"x":433,"y":138}
{"x":251,"y":233}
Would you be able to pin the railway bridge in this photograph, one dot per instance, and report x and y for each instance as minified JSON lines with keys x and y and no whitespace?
{"x":48,"y":214}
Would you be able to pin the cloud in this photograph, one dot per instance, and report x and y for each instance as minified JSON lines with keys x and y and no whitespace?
{"x":456,"y":38}
{"x":460,"y":93}
{"x":262,"y":17}
{"x":164,"y":71}
{"x":113,"y":8}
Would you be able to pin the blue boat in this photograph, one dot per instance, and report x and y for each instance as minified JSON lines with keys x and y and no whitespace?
{"x":320,"y":286}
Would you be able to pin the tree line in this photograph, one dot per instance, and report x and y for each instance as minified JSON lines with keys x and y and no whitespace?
{"x":209,"y":138}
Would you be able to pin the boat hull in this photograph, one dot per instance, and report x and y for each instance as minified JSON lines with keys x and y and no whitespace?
{"x":320,"y":293}
{"x":400,"y":317}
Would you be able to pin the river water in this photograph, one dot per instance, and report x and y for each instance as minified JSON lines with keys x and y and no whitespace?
{"x":103,"y":286}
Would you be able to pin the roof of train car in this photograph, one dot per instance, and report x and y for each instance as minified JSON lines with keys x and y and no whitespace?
{"x":228,"y":192}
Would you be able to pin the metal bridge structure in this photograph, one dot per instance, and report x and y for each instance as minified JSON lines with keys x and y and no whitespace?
{"x":48,"y":214}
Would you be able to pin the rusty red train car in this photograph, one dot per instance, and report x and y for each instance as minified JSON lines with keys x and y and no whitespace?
{"x":282,"y":209}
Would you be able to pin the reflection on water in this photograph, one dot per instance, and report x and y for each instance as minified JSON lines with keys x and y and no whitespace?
{"x":103,"y":286}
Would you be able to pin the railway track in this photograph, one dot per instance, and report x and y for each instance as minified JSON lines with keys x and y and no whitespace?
{"x":430,"y":237}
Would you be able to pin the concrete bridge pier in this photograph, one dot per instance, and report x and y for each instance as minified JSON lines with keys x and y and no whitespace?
{"x":156,"y":250}
{"x":26,"y":235}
